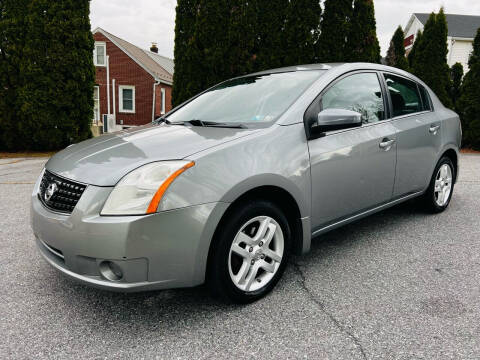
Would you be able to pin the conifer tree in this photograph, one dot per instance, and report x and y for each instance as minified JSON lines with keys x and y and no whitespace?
{"x":413,"y":51}
{"x":302,"y":28}
{"x":240,"y":54}
{"x":396,"y":51}
{"x":184,"y":53}
{"x":362,"y":42}
{"x":469,"y":102}
{"x":456,"y":76}
{"x":57,"y":67}
{"x":334,"y":31}
{"x":12,"y":38}
{"x":270,"y":27}
{"x":210,"y":43}
{"x":430,"y":61}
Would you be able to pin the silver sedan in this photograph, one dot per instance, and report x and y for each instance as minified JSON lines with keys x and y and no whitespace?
{"x":227,"y":185}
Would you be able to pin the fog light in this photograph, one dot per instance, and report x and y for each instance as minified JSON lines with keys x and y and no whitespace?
{"x":110,"y":271}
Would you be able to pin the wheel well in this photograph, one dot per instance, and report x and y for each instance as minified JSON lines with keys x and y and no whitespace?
{"x":452,"y":155}
{"x":281,"y":198}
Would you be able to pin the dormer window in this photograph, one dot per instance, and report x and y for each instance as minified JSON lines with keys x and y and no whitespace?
{"x":99,"y":54}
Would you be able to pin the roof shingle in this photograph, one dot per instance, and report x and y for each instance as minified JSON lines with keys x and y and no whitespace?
{"x":463,"y":26}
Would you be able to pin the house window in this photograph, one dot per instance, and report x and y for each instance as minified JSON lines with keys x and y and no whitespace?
{"x":162,"y":92}
{"x":99,"y":54}
{"x":126,"y":94}
{"x":96,"y":104}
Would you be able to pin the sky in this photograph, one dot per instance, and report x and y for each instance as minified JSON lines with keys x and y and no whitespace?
{"x":142,"y":22}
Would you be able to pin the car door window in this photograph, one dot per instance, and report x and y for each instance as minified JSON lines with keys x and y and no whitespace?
{"x":427,"y":104}
{"x":404,"y":95}
{"x":359,"y":92}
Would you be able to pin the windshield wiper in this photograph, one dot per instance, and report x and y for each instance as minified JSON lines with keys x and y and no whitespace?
{"x":198,"y":122}
{"x":161,"y":120}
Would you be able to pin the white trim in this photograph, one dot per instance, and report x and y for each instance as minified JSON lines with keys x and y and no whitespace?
{"x":114,"y":105}
{"x":104,"y":33}
{"x":162,"y":101}
{"x":108,"y":85}
{"x":96,"y":88}
{"x":100,"y":44}
{"x":456,"y":38}
{"x":154,"y":103}
{"x":120,"y":99}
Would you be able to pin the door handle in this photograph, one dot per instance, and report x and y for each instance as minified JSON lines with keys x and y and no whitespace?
{"x":433,"y":129}
{"x":386,"y":144}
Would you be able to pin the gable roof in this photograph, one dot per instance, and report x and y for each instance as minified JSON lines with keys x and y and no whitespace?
{"x":462,"y":26}
{"x":160,"y":67}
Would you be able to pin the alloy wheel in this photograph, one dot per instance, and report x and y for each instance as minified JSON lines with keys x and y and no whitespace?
{"x":443,"y":185}
{"x":256,"y":253}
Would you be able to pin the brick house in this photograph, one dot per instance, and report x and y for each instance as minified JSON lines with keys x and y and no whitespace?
{"x":140,"y":83}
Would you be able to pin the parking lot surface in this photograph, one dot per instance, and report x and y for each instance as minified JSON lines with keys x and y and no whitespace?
{"x":400,"y":284}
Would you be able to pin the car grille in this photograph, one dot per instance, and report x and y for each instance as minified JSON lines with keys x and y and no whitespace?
{"x":59,"y":194}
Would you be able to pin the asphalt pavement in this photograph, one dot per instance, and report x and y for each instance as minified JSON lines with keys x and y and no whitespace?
{"x":401,"y":284}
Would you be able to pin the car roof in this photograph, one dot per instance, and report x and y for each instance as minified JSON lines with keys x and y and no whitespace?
{"x":344,"y":67}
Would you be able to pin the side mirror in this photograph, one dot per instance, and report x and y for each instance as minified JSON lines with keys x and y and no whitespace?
{"x":336,"y":119}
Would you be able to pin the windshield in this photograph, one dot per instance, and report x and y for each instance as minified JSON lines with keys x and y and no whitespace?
{"x":248,"y":100}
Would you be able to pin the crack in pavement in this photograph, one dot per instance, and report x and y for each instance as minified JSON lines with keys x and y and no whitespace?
{"x":323,"y":309}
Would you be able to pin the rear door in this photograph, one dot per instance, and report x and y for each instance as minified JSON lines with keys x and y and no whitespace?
{"x":418,"y":134}
{"x":352,"y":170}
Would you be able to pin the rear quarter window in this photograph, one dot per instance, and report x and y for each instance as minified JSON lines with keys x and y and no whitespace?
{"x":404,"y":95}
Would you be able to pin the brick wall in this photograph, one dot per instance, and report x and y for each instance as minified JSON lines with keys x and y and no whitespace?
{"x":126,"y":71}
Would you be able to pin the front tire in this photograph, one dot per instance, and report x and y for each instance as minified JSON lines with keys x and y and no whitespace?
{"x":250,"y":252}
{"x":439,"y":193}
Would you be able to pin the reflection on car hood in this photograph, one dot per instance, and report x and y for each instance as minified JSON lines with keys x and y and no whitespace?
{"x":104,"y":160}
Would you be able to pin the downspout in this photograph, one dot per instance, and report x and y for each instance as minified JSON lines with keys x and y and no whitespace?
{"x":108,"y":85}
{"x":114,"y":101}
{"x":157,"y":82}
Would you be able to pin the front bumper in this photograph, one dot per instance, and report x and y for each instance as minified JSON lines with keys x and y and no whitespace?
{"x":163,"y":250}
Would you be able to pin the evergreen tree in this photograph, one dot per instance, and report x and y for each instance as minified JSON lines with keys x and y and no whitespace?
{"x":390,"y":58}
{"x":334,"y":31}
{"x":184,"y":52}
{"x":456,"y":76}
{"x":270,"y":27}
{"x":12,"y":38}
{"x":210,"y":44}
{"x":302,"y":29}
{"x":362,"y":42}
{"x":57,"y":67}
{"x":396,"y":51}
{"x":430,"y":62}
{"x":413,"y":51}
{"x":217,"y":40}
{"x":469,"y":101}
{"x":240,"y":54}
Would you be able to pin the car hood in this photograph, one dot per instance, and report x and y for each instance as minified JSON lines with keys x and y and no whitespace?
{"x":104,"y":160}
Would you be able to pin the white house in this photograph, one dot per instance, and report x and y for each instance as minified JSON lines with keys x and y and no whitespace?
{"x":461,"y":32}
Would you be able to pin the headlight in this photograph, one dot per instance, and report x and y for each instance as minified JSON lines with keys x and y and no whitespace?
{"x":140,"y":191}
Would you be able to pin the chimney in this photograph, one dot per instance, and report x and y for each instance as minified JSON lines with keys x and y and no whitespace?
{"x":154,"y":48}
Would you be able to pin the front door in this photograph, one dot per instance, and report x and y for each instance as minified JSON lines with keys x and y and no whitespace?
{"x":353,"y":170}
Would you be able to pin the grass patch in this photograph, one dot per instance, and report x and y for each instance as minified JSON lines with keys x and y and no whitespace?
{"x":469,"y":151}
{"x":13,"y":155}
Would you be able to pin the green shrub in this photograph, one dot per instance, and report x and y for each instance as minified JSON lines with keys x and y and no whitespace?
{"x":396,"y":51}
{"x":469,"y":102}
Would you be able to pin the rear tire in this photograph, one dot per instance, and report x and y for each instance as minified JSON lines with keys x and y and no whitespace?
{"x":439,"y":193}
{"x":249,"y":253}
